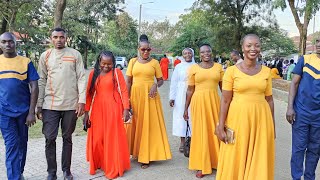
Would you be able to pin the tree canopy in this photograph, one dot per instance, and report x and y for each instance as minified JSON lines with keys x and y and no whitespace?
{"x":93,"y":26}
{"x":300,"y":8}
{"x":207,"y":24}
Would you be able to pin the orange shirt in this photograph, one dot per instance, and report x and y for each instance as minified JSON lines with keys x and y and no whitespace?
{"x":176,"y":62}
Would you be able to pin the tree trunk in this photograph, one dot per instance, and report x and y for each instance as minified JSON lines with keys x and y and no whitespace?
{"x":237,"y":44}
{"x":85,"y":57}
{"x":238,"y":33}
{"x":301,"y":26}
{"x":303,"y":40}
{"x":12,"y":20}
{"x":58,"y":13}
{"x":4,"y":25}
{"x":27,"y":53}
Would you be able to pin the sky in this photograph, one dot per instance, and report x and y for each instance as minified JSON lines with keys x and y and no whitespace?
{"x":158,"y":10}
{"x":172,"y":9}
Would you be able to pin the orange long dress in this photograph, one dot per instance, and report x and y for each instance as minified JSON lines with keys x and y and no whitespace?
{"x":107,"y":146}
{"x":164,"y":64}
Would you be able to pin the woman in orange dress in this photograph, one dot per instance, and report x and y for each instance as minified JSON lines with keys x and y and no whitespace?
{"x":107,"y":147}
{"x":164,"y":64}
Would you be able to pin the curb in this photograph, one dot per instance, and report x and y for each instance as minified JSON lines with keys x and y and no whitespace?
{"x":280,"y":95}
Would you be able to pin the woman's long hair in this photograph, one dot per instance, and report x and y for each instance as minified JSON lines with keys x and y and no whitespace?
{"x":97,"y":71}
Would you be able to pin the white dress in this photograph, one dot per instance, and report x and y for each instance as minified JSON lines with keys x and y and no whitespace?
{"x":178,"y":89}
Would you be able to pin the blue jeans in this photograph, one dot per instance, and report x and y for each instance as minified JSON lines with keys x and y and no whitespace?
{"x":305,"y":147}
{"x":15,"y":135}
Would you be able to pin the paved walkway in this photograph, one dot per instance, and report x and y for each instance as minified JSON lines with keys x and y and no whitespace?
{"x":176,"y":169}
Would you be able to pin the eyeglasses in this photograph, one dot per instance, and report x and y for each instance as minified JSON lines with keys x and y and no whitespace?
{"x":145,"y":49}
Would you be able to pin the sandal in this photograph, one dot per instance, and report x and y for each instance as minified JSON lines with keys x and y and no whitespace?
{"x":144,"y":166}
{"x":181,"y":149}
{"x":133,"y":157}
{"x":199,"y":174}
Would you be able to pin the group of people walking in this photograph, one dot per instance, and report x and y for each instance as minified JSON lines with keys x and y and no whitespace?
{"x":246,"y":107}
{"x":234,"y":134}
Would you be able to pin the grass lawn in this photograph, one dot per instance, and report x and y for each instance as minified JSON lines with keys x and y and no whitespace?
{"x":36,"y":130}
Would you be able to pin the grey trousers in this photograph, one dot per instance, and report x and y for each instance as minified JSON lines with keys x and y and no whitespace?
{"x":50,"y":128}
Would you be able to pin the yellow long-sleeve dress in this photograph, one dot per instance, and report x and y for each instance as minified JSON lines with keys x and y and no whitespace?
{"x":147,"y":136}
{"x":204,"y":106}
{"x":252,"y":155}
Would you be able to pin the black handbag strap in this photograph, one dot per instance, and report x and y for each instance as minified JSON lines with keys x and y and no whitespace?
{"x":188,"y":129}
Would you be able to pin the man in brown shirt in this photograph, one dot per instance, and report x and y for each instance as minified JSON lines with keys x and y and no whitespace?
{"x":61,"y":99}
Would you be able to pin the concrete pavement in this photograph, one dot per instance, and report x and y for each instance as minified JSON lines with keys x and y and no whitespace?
{"x":176,"y":169}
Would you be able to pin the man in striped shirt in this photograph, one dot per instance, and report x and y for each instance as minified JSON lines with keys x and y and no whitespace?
{"x":61,"y":99}
{"x":17,"y":104}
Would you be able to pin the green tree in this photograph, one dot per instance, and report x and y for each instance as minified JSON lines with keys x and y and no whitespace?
{"x":9,"y":11}
{"x":315,"y":36}
{"x":235,"y":15}
{"x":120,"y":35}
{"x":161,"y":33}
{"x":32,"y":26}
{"x":274,"y":39}
{"x":192,"y":30}
{"x":301,"y":8}
{"x":199,"y":27}
{"x":83,"y":21}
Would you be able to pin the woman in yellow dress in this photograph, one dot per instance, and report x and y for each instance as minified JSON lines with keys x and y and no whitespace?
{"x":147,"y":136}
{"x":202,"y":95}
{"x":247,"y":108}
{"x":275,"y":73}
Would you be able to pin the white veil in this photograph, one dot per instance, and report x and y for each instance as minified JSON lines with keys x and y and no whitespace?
{"x":183,"y":60}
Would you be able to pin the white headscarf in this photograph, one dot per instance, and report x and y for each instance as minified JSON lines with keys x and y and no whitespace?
{"x":182,"y":58}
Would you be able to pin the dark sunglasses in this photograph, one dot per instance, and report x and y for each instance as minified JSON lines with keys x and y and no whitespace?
{"x":145,"y":49}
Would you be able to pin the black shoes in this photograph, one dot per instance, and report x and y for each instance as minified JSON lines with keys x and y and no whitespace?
{"x":52,"y":177}
{"x":67,"y":175}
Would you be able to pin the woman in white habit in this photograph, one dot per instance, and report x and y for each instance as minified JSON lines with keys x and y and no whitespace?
{"x":178,"y":89}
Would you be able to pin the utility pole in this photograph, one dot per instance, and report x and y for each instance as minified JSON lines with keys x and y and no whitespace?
{"x":139,"y":31}
{"x":314,"y":26}
{"x":140,"y":11}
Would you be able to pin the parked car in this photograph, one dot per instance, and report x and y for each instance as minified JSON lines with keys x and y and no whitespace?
{"x":121,"y":62}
